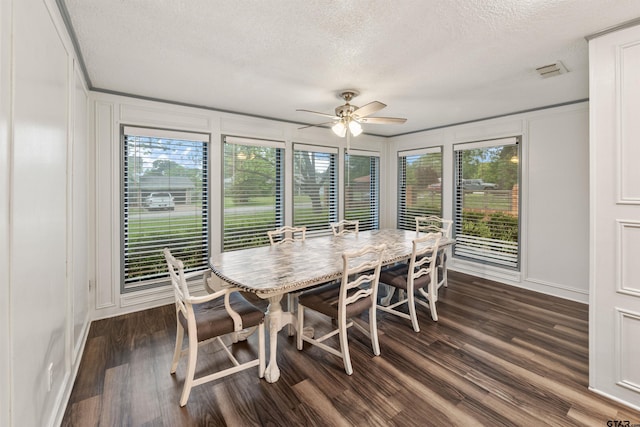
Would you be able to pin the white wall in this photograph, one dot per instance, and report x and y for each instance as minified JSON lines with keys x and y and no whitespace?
{"x":43,"y":213}
{"x":554,"y":185}
{"x":109,"y":112}
{"x":554,"y":195}
{"x":80,"y":269}
{"x":5,"y":172}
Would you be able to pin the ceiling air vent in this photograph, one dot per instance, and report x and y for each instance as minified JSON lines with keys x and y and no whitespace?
{"x":551,"y":70}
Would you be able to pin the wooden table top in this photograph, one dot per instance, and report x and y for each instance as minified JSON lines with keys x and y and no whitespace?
{"x":279,"y":269}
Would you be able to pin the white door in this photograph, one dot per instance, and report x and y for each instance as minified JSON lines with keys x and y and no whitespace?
{"x":614,"y":323}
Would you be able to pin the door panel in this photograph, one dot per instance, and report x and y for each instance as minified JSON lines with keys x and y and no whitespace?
{"x":614,"y":338}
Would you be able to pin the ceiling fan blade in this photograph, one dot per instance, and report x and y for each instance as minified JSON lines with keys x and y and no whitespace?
{"x":333,"y":116}
{"x":382,"y":120}
{"x":369,"y":108}
{"x":319,"y":124}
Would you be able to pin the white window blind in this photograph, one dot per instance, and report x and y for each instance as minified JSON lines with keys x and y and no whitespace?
{"x":315,"y":198}
{"x":165,"y":203}
{"x":253,"y":191}
{"x":362,"y":189}
{"x":487,"y":201}
{"x":419,"y":185}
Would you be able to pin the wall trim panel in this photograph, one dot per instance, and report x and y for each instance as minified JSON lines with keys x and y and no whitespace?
{"x":105,"y":281}
{"x":627,"y":344}
{"x":628,"y":132}
{"x":154,"y":117}
{"x":627,"y":250}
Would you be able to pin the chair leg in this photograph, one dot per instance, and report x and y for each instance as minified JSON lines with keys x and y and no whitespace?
{"x":443,"y":268}
{"x":433,"y":296}
{"x":291,"y":307}
{"x":444,"y":275}
{"x":261,"y":351}
{"x":344,"y":347}
{"x":178,"y":349}
{"x":412,"y":311}
{"x":300,"y":322}
{"x":373,"y":330}
{"x":191,"y":368}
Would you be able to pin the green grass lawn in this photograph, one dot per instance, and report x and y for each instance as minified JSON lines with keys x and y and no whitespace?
{"x":247,"y":229}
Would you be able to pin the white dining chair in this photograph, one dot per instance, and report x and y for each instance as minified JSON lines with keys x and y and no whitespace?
{"x":436,"y":224}
{"x":284,"y":235}
{"x":344,"y":301}
{"x":414,"y":278}
{"x":287,"y":234}
{"x":345,"y":226}
{"x":209,"y":318}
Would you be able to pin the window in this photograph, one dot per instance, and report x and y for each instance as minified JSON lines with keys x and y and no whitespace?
{"x":419,"y":185}
{"x":253,"y":191}
{"x":315,"y":195}
{"x":487,"y":202}
{"x":165,"y":203}
{"x":362,"y":194}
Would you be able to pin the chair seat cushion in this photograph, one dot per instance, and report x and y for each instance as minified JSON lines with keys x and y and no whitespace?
{"x":396,"y":276}
{"x":324,"y":299}
{"x":212,"y":319}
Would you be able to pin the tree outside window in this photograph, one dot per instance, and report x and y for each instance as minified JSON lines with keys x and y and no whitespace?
{"x":253,"y":191}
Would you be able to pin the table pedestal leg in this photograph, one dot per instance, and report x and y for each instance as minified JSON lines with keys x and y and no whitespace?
{"x":274,"y":321}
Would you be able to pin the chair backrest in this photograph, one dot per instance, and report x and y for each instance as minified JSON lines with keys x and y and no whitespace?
{"x":184,"y":301}
{"x":178,"y":281}
{"x":287,"y":234}
{"x":360,"y":267}
{"x":345,"y":226}
{"x":424,"y":256}
{"x":434,"y":224}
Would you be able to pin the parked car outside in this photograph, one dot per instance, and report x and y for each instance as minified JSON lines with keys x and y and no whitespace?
{"x":160,"y":201}
{"x":477,"y":184}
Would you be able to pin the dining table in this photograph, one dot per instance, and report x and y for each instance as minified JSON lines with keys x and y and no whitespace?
{"x":273,"y":271}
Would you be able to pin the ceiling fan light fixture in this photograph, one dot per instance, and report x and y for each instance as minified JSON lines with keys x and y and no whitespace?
{"x":355,"y":128}
{"x":349,"y":118}
{"x":339,"y":129}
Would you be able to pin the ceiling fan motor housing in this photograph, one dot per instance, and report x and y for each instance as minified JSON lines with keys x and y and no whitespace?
{"x":345,"y":110}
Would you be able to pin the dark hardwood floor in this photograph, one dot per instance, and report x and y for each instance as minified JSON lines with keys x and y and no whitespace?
{"x":498,"y":355}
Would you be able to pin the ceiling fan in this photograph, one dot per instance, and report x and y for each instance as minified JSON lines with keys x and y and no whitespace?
{"x":350,"y":117}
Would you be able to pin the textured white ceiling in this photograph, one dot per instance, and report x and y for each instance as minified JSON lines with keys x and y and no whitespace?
{"x":433,"y":62}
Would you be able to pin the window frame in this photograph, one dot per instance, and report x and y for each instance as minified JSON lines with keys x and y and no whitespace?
{"x":374,"y":187}
{"x":459,"y":248}
{"x":403,"y":221}
{"x":333,"y":208}
{"x":280,"y":182}
{"x":161,"y":278}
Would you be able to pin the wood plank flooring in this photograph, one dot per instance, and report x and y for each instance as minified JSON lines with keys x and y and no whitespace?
{"x":498,"y":355}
